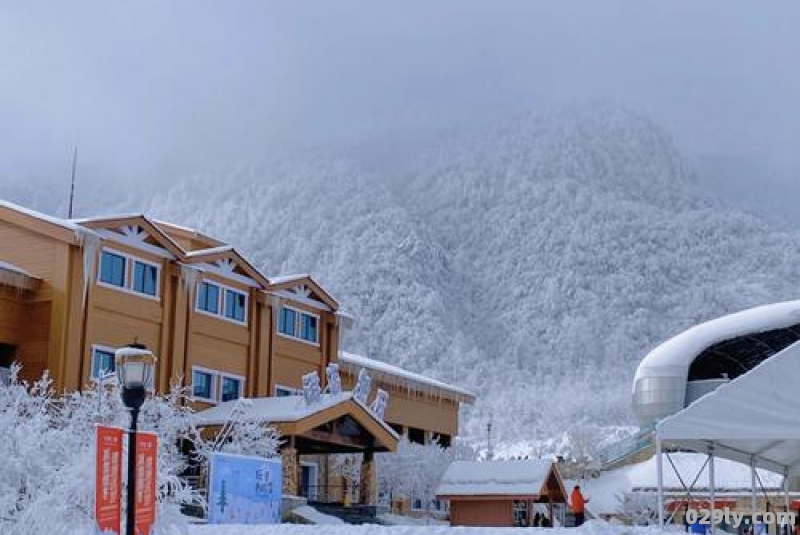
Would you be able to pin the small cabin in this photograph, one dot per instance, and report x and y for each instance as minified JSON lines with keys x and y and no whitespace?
{"x":503,"y":493}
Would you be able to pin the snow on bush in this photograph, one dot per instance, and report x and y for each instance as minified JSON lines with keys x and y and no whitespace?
{"x":415,"y":470}
{"x":47,"y":482}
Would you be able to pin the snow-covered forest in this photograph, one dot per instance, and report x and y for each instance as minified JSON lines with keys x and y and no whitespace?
{"x":534,"y":263}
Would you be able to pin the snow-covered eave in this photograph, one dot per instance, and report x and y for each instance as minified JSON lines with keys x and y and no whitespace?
{"x":202,"y":255}
{"x":281,"y":279}
{"x":398,"y":376}
{"x":211,"y":251}
{"x":673,"y":357}
{"x":151,"y":227}
{"x":279,"y":282}
{"x":77,"y":231}
{"x":16,"y":277}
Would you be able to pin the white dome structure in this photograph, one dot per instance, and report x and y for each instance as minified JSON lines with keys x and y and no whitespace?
{"x":696,"y":361}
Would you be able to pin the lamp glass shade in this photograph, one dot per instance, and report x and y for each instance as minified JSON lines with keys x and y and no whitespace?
{"x":135,"y":367}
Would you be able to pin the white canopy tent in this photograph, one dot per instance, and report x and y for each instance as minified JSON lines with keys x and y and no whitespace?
{"x":754,"y":419}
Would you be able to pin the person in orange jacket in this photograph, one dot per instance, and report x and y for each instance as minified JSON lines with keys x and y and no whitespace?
{"x":578,"y":504}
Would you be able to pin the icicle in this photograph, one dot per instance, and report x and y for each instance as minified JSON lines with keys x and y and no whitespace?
{"x":189,"y":277}
{"x":89,"y":242}
{"x":18,"y":280}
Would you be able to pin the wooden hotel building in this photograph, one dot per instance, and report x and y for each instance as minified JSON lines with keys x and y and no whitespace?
{"x":73,"y":291}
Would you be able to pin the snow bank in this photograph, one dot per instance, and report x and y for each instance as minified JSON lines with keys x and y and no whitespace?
{"x":606,"y":491}
{"x":590,"y":528}
{"x":315,"y":517}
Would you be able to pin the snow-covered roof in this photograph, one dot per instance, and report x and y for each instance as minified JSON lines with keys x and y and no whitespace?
{"x":753,"y":416}
{"x":605,"y":492}
{"x":65,"y":223}
{"x":673,"y":357}
{"x":391,"y":373}
{"x":16,"y":277}
{"x":210,"y":251}
{"x":495,"y":478}
{"x":288,"y":278}
{"x":7,"y":266}
{"x":271,"y":409}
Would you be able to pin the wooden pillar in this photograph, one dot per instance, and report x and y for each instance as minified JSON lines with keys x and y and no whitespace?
{"x":367,"y":487}
{"x":169,"y":285}
{"x":291,"y":469}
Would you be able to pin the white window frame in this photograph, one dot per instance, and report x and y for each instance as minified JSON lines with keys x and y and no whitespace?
{"x":129,"y":268}
{"x":225,"y":290}
{"x":106,"y":349}
{"x":297,"y":324}
{"x":221,"y":302}
{"x":225,"y":375}
{"x":214,"y":384}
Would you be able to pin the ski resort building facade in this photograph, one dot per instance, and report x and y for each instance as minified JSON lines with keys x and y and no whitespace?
{"x":73,"y":291}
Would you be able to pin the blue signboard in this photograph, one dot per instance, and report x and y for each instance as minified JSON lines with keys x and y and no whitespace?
{"x":244,"y":490}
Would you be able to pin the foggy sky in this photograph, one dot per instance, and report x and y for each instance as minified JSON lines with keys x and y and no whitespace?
{"x":154,"y":89}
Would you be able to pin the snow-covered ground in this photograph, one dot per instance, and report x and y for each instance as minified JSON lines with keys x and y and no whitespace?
{"x":590,"y":528}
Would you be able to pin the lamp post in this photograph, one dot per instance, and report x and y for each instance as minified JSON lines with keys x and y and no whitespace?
{"x":134,"y":365}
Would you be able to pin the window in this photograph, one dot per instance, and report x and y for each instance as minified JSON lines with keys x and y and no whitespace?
{"x":102,"y":362}
{"x":232,"y":307}
{"x":284,"y":391}
{"x":213,"y":385}
{"x":235,"y":305}
{"x":300,"y":325}
{"x":202,"y":385}
{"x":112,"y":269}
{"x":145,"y":278}
{"x":308,"y":328}
{"x":288,"y":321}
{"x":208,"y":298}
{"x":231,"y":388}
{"x":115,"y":267}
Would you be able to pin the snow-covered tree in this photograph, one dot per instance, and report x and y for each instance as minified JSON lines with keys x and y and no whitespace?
{"x":348,"y":467}
{"x":639,"y":508}
{"x":414,"y":470}
{"x":47,"y":483}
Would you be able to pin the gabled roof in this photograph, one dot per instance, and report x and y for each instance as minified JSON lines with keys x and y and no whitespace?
{"x":230,"y":253}
{"x":499,"y":478}
{"x":292,"y":416}
{"x":134,"y":220}
{"x":291,"y":282}
{"x":189,"y":234}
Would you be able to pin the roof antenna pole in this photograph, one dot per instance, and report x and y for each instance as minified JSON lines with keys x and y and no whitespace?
{"x":72,"y":181}
{"x":489,"y":450}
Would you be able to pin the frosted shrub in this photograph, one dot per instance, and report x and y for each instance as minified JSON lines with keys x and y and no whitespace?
{"x":415,"y":470}
{"x":47,"y":481}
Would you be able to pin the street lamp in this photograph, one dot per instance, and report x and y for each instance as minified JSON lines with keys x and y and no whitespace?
{"x":134,"y":365}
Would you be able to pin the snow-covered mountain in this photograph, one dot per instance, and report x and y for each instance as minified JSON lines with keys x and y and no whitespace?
{"x":534,"y":263}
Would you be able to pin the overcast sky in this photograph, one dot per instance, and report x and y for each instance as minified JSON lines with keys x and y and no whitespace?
{"x":152,"y":89}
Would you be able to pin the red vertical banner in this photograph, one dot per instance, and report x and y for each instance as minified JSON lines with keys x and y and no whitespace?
{"x":108,"y":478}
{"x":146,"y":479}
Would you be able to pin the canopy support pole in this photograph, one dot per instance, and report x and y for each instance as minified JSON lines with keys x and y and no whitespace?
{"x":711,"y":484}
{"x":753,"y":484}
{"x":660,"y":477}
{"x":786,"y":495}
